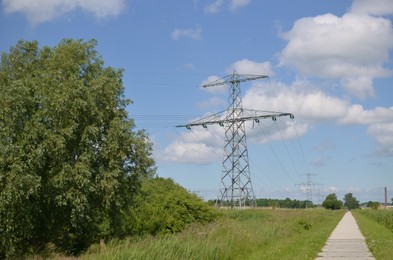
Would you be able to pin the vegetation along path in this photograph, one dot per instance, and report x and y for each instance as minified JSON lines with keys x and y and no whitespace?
{"x":346,"y":241}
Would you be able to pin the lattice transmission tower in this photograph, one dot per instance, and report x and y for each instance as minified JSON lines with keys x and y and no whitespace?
{"x":308,"y":187}
{"x":236,"y":189}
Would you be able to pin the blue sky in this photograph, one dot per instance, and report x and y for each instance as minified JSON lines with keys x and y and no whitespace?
{"x":329,"y":63}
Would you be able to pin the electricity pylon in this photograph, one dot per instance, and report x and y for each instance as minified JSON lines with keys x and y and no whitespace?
{"x":236,"y":188}
{"x":309,"y":186}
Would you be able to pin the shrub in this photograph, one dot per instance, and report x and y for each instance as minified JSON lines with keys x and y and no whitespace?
{"x":162,"y":206}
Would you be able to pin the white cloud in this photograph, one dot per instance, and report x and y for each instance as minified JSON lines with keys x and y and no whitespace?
{"x":267,"y":130}
{"x":358,"y":115}
{"x":372,"y":7}
{"x":195,"y":34}
{"x":198,"y":146}
{"x":246,"y":66}
{"x":217,"y":5}
{"x":39,"y":11}
{"x":235,"y":4}
{"x":214,"y":7}
{"x":383,"y":134}
{"x":352,"y":48}
{"x":307,"y":105}
{"x":361,"y":87}
{"x":380,"y":126}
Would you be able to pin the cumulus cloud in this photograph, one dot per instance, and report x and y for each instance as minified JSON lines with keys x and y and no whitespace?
{"x":195,"y":34}
{"x":380,"y":126}
{"x":308,"y":105}
{"x":352,"y":48}
{"x":198,"y":146}
{"x":40,"y":11}
{"x":383,"y":133}
{"x":268,"y":130}
{"x":358,"y":115}
{"x":372,"y":7}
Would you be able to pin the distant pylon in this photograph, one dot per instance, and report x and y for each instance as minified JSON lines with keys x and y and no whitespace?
{"x":309,"y":186}
{"x":236,"y":187}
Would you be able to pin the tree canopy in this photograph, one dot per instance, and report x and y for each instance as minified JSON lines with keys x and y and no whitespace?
{"x":350,"y":201}
{"x":331,"y":202}
{"x":70,"y":157}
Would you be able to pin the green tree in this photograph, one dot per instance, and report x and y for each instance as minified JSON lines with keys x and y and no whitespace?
{"x":373,"y":204}
{"x":70,"y":158}
{"x":331,"y":202}
{"x":350,"y":201}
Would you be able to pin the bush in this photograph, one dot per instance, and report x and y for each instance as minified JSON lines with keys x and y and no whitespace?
{"x":163,"y":206}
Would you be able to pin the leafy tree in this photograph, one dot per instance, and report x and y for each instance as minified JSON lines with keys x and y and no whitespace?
{"x":162,"y":206}
{"x":70,"y":158}
{"x":331,"y":202}
{"x":350,"y":201}
{"x":373,"y":204}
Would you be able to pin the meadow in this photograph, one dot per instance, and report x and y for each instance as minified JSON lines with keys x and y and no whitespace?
{"x":238,"y":234}
{"x":377,"y":227}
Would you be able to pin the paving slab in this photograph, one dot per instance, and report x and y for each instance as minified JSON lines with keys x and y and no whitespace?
{"x":346,"y":242}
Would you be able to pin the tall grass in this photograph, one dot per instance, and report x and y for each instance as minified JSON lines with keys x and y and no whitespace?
{"x":376,"y":226}
{"x":384,"y":217}
{"x":242,"y":234}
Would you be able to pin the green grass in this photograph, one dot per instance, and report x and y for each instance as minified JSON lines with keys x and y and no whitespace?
{"x":376,"y":226}
{"x":384,"y":217}
{"x":241,"y":234}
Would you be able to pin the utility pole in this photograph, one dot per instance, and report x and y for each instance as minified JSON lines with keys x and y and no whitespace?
{"x":236,"y":187}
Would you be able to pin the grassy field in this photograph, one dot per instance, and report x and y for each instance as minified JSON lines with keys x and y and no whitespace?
{"x":377,"y":227}
{"x":241,"y":234}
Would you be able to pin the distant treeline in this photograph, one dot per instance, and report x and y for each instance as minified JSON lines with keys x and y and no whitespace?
{"x":286,"y":203}
{"x":277,"y":203}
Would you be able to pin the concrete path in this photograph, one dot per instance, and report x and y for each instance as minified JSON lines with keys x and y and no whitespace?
{"x":346,"y":242}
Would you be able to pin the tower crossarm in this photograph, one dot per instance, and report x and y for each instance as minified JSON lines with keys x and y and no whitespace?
{"x":221,"y":120}
{"x":234,"y":79}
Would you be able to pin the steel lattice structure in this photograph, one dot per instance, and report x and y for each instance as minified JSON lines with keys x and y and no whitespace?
{"x":236,"y":187}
